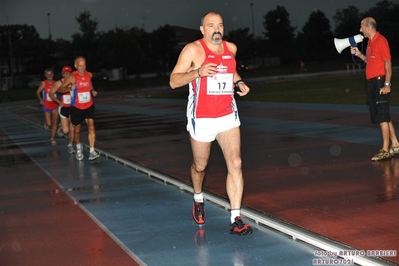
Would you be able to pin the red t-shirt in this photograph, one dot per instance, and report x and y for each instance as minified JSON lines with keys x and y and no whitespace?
{"x":377,"y":53}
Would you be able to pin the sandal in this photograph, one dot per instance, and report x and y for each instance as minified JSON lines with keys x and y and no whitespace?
{"x":381,"y":155}
{"x":394,"y":151}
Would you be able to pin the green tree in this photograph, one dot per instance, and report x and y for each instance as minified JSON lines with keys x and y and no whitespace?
{"x":318,"y":37}
{"x":279,"y":33}
{"x":347,"y":22}
{"x":27,"y":49}
{"x":86,"y":42}
{"x":122,"y":48}
{"x":386,"y":14}
{"x":244,"y":42}
{"x":163,"y":42}
{"x":140,"y":49}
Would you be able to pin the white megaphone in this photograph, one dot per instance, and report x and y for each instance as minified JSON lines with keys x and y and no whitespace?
{"x":341,"y":44}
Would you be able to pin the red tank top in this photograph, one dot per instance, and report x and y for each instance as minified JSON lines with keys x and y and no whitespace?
{"x":81,"y":97}
{"x":213,"y":97}
{"x":48,"y":103}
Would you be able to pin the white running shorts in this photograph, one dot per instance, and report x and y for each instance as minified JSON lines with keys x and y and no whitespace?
{"x":206,"y":129}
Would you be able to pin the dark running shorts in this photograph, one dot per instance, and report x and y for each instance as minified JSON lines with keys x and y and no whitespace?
{"x":378,"y":103}
{"x":78,"y":115}
{"x":65,"y":112}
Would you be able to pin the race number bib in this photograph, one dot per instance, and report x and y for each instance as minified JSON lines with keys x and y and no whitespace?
{"x":66,"y":99}
{"x":220,"y":84}
{"x":48,"y":98}
{"x":84,"y":97}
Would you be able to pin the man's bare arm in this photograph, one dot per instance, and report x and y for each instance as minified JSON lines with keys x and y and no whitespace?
{"x":53,"y":91}
{"x":67,"y":85}
{"x":388,"y":71}
{"x":181,"y":75}
{"x":38,"y":92}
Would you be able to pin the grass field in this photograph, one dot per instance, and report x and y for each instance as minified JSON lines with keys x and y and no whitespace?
{"x":347,"y":89}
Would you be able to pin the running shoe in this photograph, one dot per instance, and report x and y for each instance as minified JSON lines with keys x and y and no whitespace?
{"x":93,"y":155}
{"x":53,"y":142}
{"x":71,"y":150}
{"x":239,"y":228}
{"x":199,"y":212}
{"x":46,"y":127}
{"x":79,"y":154}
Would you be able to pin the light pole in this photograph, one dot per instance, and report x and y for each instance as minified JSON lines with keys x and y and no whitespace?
{"x":11,"y":60}
{"x":253,"y":24}
{"x":48,"y":21}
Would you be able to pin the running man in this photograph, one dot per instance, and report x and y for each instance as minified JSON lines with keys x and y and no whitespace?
{"x":64,"y":104}
{"x":82,"y":106}
{"x":208,"y":65}
{"x":49,"y":107}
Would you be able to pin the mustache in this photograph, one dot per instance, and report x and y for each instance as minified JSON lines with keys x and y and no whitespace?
{"x":217,"y":32}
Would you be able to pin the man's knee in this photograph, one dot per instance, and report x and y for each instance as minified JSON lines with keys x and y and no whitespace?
{"x":76,"y":129}
{"x":198,"y":167}
{"x":236,"y":163}
{"x":90,"y":125}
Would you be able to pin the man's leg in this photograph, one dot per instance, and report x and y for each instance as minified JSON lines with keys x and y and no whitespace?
{"x":392,"y":135}
{"x":67,"y":128}
{"x":230,"y":143}
{"x":64,"y":125}
{"x":91,"y":132}
{"x":71,"y":132}
{"x":54,"y":123}
{"x":76,"y":134}
{"x":47,"y":120}
{"x":385,"y":154}
{"x":79,"y":148}
{"x":201,"y":152}
{"x":384,"y":126}
{"x":92,"y":139}
{"x":76,"y":121}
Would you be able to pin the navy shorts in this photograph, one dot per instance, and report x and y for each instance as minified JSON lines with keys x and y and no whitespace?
{"x":378,"y":103}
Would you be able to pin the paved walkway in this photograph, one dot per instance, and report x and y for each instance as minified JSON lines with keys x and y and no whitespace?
{"x":307,"y":169}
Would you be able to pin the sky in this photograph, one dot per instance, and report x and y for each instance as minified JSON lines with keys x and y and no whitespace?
{"x":151,"y":14}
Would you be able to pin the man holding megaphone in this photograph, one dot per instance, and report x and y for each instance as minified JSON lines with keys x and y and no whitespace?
{"x":378,"y":74}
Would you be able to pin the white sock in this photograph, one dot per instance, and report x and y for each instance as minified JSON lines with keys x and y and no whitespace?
{"x":79,"y":146}
{"x":234,"y":214}
{"x":198,"y":197}
{"x":91,"y":149}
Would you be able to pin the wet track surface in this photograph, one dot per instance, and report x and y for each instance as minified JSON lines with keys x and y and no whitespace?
{"x":307,"y":165}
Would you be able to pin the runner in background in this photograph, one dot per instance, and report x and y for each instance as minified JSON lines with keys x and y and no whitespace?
{"x":49,"y":107}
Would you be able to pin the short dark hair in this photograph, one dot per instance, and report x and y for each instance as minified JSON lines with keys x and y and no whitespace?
{"x":48,"y":69}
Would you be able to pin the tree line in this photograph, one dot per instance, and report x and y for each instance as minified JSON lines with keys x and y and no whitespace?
{"x":137,"y":51}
